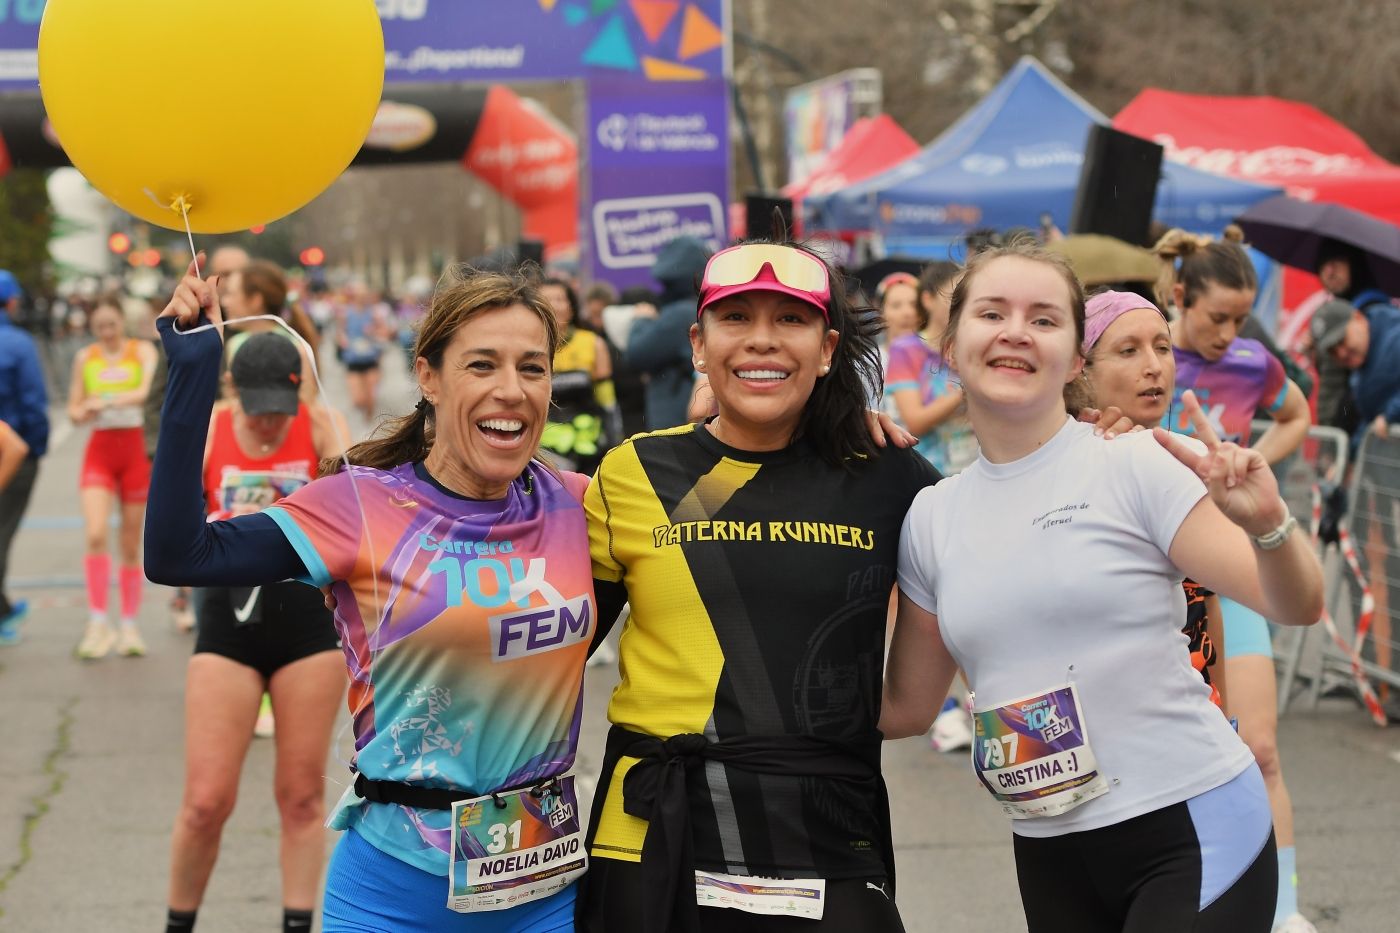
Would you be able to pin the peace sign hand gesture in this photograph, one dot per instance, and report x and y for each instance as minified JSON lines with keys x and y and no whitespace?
{"x":1239,"y":479}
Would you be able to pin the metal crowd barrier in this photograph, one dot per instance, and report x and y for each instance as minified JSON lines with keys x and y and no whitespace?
{"x":1313,"y":472}
{"x":1367,"y":600}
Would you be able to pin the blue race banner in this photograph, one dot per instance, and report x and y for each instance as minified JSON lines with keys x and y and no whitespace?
{"x":658,"y":168}
{"x":488,"y":40}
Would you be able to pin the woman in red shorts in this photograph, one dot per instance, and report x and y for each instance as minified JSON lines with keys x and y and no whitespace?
{"x":111,"y":379}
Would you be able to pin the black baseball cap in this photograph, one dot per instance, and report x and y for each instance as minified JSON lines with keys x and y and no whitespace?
{"x":266,"y":372}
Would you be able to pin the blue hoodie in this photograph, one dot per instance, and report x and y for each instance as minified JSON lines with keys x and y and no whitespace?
{"x":1375,"y":384}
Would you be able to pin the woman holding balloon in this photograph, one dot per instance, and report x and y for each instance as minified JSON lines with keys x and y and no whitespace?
{"x":464,"y":597}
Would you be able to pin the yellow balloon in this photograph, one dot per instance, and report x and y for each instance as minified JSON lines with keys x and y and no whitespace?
{"x":241,"y":110}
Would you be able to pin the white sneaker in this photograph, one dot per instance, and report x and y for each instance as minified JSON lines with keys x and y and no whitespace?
{"x":1295,"y":923}
{"x":97,"y":641}
{"x":182,"y":610}
{"x":952,"y":730}
{"x":129,"y":642}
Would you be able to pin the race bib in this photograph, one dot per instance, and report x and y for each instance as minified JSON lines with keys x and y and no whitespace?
{"x":1034,"y":755}
{"x":242,"y":492}
{"x":122,"y":416}
{"x":779,"y":897}
{"x":516,"y":847}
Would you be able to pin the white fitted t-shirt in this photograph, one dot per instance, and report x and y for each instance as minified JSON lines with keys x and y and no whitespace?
{"x":1054,"y":569}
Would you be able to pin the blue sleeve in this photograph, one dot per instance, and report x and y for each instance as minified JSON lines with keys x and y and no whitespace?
{"x":34,"y":403}
{"x":655,"y":343}
{"x":181,"y":547}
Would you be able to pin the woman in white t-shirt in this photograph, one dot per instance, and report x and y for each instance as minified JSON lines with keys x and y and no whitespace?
{"x":1050,"y":571}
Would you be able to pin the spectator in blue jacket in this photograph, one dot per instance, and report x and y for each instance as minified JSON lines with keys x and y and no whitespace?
{"x":24,"y":406}
{"x":658,"y":344}
{"x":1366,"y":341}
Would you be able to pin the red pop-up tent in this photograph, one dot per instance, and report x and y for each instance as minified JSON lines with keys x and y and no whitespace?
{"x":870,"y":146}
{"x":1274,"y":141}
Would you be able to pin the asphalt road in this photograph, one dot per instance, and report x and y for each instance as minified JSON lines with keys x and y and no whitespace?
{"x":92,"y":771}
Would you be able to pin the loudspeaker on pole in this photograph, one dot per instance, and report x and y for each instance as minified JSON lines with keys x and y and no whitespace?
{"x":1117,"y":185}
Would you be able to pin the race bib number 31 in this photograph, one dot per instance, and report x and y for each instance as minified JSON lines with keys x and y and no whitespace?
{"x":1034,"y":755}
{"x":514,"y":848}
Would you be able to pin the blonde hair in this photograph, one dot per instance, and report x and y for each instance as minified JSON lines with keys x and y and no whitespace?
{"x":1196,"y":262}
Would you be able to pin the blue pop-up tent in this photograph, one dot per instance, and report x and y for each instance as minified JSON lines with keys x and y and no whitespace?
{"x":1012,"y":158}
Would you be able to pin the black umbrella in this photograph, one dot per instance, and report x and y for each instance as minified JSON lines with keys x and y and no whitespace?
{"x":1293,"y":231}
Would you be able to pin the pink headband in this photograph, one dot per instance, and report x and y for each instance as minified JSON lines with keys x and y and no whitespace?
{"x":1106,"y":307}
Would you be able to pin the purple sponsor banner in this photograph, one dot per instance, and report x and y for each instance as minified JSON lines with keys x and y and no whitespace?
{"x":658,"y":168}
{"x":19,"y":44}
{"x":487,"y":40}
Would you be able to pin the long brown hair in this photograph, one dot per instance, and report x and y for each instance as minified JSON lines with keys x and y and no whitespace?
{"x":463,"y":294}
{"x":1198,"y":261}
{"x":260,"y":277}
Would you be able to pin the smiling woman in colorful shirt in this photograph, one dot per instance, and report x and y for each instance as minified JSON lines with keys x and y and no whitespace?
{"x":1048,"y":572}
{"x":460,"y":569}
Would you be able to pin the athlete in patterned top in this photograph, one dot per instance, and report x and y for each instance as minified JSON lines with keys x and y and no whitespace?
{"x":110,"y":381}
{"x":757,"y":551}
{"x":1212,"y":284}
{"x":920,"y":381}
{"x":465,"y":607}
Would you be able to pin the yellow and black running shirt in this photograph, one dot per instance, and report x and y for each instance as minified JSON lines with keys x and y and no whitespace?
{"x":759,"y":585}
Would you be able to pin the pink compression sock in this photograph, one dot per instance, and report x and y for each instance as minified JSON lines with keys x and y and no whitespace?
{"x":98,"y":568}
{"x":132,"y":579}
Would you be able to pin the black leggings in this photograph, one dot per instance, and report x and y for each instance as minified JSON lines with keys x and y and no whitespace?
{"x":1140,"y":876}
{"x":612,"y":897}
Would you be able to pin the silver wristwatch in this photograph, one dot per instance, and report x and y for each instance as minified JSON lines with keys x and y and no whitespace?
{"x":1274,"y":539}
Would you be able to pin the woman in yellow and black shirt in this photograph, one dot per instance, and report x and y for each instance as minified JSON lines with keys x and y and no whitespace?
{"x":583,"y":418}
{"x":757,"y":550}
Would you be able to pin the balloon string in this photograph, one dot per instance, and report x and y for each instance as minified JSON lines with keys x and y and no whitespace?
{"x":299,"y":340}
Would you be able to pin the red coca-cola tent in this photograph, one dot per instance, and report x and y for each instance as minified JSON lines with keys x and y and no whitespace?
{"x":870,"y":146}
{"x":1274,"y":141}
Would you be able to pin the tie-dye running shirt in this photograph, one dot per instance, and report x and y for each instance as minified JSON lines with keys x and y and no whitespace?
{"x":465,"y":626}
{"x":1247,"y":378}
{"x":913,"y":364}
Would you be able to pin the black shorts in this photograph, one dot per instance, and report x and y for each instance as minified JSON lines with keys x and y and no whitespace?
{"x":612,"y":895}
{"x":282,"y":623}
{"x":362,"y":366}
{"x":1176,"y":869}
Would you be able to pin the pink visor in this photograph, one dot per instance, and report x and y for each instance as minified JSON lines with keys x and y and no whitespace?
{"x":766,"y":267}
